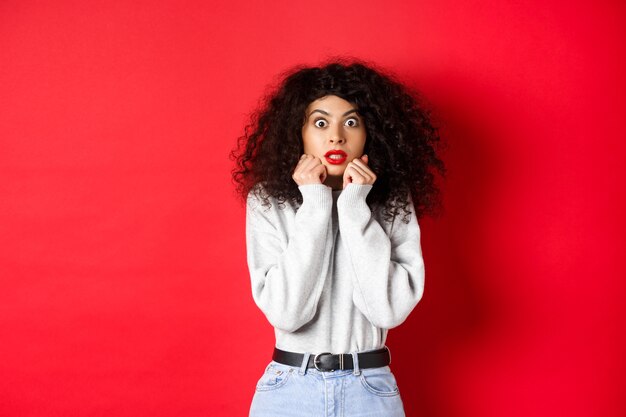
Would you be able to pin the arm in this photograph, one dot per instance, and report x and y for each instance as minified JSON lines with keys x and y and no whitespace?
{"x":287,"y":281}
{"x":388,"y":271}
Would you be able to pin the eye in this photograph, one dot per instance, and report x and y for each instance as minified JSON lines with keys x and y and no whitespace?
{"x":320,"y":123}
{"x":352,"y":122}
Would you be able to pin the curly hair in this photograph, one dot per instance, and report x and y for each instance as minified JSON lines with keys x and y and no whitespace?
{"x":401,"y":141}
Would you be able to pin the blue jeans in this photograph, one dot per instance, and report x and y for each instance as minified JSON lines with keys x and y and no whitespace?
{"x":290,"y":391}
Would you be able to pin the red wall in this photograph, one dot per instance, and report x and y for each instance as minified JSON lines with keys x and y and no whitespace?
{"x":124,"y":288}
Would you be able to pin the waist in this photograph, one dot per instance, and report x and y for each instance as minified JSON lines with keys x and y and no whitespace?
{"x":328,"y":362}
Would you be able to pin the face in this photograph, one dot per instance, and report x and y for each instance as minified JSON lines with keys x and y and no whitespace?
{"x":333,"y":124}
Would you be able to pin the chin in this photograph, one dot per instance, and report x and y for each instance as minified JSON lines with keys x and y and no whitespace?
{"x":335,"y":170}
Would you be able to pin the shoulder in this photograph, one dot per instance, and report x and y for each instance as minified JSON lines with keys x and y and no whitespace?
{"x":255,"y":195}
{"x":259,"y":199}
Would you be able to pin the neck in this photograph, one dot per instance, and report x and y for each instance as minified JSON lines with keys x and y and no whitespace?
{"x":334,"y":181}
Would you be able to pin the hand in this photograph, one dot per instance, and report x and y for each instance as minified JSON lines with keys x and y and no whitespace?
{"x":358,"y":172}
{"x":309,"y":170}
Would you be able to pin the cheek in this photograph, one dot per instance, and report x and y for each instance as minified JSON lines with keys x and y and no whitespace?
{"x":310,"y":141}
{"x":359,"y":140}
{"x":306,"y":140}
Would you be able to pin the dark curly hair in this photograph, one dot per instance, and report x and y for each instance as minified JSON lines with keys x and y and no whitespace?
{"x":401,"y":141}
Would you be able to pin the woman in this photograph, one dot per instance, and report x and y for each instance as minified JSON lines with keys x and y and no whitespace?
{"x":336,"y":166}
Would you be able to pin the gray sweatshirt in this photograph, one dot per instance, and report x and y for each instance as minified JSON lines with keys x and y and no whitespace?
{"x":331,"y":275}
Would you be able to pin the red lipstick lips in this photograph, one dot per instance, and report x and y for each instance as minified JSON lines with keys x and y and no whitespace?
{"x":339,"y":157}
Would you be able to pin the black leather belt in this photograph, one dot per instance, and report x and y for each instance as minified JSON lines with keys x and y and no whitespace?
{"x":330,"y":362}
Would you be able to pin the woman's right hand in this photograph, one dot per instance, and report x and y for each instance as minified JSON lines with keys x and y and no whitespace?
{"x":309,"y":170}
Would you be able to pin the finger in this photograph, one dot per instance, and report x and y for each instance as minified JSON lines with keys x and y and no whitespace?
{"x":301,"y":160}
{"x":305,"y":158}
{"x":358,"y":162}
{"x":307,"y":162}
{"x":365,"y":159}
{"x":318,"y":168}
{"x":311,"y":167}
{"x":366,"y":169}
{"x":363,"y":173}
{"x":347,"y":178}
{"x":352,"y":175}
{"x":320,"y":171}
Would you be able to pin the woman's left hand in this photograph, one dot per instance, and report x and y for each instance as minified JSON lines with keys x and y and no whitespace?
{"x":358,"y":172}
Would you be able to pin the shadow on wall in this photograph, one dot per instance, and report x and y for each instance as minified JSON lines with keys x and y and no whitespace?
{"x":457,"y":310}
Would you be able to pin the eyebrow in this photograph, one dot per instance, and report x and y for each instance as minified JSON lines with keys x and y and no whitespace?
{"x":328,"y":114}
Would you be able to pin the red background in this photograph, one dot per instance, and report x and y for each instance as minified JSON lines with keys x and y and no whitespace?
{"x":124,"y":285}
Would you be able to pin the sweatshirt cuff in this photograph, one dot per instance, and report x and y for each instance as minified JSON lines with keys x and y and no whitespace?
{"x":319,"y":195}
{"x":354,"y":194}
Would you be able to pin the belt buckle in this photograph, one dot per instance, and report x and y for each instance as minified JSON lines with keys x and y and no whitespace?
{"x":316,"y":361}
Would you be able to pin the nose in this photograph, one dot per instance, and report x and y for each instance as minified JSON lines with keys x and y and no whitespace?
{"x":336,"y":136}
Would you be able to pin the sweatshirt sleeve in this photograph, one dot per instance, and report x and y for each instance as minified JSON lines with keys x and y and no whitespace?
{"x":388,"y":271}
{"x":288,"y":277}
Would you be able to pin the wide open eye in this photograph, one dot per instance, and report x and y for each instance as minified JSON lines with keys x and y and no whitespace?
{"x":352,"y":122}
{"x":320,"y":123}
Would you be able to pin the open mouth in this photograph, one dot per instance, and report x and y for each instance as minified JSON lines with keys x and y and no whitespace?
{"x":336,"y":157}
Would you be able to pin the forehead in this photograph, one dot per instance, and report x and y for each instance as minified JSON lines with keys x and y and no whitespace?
{"x":330,"y":104}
